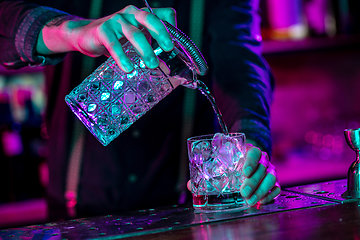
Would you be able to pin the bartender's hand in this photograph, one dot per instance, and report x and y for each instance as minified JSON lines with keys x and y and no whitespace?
{"x":261,"y":183}
{"x":101,"y":36}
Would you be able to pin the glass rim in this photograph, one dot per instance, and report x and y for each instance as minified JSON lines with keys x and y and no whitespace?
{"x":211,"y":136}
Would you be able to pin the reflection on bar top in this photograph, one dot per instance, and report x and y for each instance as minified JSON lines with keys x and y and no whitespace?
{"x":149,"y":221}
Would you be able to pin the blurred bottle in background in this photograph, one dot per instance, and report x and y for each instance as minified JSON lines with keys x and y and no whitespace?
{"x":23,"y":136}
{"x":286,"y":19}
{"x":347,"y":16}
{"x":320,"y":18}
{"x":298,"y":19}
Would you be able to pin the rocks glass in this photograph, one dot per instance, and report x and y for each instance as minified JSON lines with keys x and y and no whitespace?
{"x":215,"y":163}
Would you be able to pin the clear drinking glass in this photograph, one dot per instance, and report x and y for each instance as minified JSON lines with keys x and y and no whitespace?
{"x":215,"y":163}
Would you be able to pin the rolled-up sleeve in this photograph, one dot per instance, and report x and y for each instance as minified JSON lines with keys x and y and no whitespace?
{"x":20,"y":25}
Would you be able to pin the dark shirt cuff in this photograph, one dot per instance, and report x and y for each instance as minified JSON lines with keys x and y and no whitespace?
{"x":27,"y":34}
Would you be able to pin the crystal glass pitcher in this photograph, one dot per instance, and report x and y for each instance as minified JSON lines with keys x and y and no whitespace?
{"x":109,"y":100}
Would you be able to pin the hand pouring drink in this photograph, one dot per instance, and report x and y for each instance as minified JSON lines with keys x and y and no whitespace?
{"x":109,"y":100}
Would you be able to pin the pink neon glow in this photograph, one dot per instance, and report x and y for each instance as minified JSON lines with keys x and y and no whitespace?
{"x":284,"y":13}
{"x":12,"y":144}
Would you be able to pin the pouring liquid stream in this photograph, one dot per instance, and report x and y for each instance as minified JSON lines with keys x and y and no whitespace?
{"x":206,"y":92}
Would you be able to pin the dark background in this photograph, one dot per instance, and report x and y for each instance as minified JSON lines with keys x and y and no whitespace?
{"x":316,"y":67}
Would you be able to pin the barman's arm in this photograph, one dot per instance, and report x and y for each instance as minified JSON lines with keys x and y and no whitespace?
{"x":38,"y":35}
{"x":101,"y":36}
{"x":243,"y":88}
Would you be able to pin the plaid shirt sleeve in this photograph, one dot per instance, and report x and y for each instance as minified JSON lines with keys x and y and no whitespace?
{"x":20,"y":25}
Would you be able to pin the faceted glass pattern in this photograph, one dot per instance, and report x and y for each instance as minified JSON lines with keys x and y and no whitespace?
{"x":109,"y":100}
{"x":215,"y":163}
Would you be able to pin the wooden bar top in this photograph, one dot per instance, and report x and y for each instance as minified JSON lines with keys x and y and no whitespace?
{"x":314,"y":211}
{"x":340,"y":221}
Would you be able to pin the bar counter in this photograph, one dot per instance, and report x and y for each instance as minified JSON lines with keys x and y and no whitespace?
{"x":314,"y":211}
